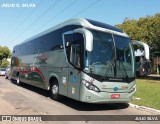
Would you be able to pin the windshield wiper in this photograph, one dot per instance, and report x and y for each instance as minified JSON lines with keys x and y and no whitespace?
{"x":124,"y":69}
{"x":107,"y":69}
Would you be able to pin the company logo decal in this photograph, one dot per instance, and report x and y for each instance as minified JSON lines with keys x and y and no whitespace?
{"x":73,"y":79}
{"x":115,"y":89}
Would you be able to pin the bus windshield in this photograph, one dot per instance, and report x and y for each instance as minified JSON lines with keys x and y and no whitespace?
{"x":111,"y":57}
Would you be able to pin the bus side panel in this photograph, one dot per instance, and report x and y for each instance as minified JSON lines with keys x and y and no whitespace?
{"x":28,"y":70}
{"x":57,"y":68}
{"x":40,"y":57}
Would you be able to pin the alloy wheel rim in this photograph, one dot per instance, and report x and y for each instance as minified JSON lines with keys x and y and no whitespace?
{"x":17,"y":80}
{"x":55,"y":89}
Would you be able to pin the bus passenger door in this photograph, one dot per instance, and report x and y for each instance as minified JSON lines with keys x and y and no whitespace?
{"x":74,"y":53}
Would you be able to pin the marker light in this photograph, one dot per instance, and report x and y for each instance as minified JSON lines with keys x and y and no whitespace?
{"x":90,"y":86}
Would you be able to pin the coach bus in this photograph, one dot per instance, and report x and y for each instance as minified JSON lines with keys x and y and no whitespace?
{"x":142,"y":58}
{"x":82,"y":59}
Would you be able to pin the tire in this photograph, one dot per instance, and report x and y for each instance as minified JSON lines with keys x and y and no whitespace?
{"x":54,"y":90}
{"x":18,"y":80}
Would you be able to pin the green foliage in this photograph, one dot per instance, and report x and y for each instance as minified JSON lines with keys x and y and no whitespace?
{"x":4,"y":53}
{"x":146,"y":29}
{"x":4,"y":64}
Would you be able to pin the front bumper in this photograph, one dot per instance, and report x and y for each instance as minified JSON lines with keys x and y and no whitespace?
{"x":90,"y":96}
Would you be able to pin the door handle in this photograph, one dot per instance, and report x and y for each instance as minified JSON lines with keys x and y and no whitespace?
{"x":71,"y":73}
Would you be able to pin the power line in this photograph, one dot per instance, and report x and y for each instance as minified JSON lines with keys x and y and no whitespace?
{"x":58,"y":14}
{"x":86,"y":8}
{"x":56,"y":1}
{"x":68,"y":7}
{"x":71,"y":4}
{"x":16,"y":19}
{"x":25,"y":19}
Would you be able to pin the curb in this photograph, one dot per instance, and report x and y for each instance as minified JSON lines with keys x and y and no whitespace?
{"x":143,"y":108}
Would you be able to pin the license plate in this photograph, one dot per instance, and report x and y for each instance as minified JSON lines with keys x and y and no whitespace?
{"x":115,"y":96}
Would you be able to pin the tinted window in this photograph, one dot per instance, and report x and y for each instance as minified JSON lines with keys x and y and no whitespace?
{"x":3,"y":69}
{"x":48,"y":42}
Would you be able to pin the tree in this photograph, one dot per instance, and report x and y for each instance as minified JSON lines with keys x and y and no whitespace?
{"x":4,"y":53}
{"x":146,"y":29}
{"x":4,"y":64}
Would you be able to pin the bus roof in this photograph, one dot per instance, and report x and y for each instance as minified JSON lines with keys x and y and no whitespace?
{"x":87,"y":23}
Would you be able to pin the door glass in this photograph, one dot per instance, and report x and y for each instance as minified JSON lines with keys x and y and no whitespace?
{"x":74,"y":45}
{"x":75,"y":55}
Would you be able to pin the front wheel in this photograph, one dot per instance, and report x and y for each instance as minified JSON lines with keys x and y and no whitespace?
{"x":54,"y":90}
{"x":18,"y":81}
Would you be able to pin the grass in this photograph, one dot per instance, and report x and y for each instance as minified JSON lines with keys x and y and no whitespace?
{"x":149,"y":92}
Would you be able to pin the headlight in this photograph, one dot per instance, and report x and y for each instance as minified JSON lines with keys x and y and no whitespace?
{"x":90,"y":86}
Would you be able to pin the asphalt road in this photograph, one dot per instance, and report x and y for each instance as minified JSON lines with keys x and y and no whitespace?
{"x":29,"y":100}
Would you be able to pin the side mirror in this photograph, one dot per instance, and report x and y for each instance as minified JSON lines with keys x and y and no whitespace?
{"x":88,"y":37}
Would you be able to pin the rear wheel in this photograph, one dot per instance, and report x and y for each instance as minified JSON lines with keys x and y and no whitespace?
{"x":54,"y":90}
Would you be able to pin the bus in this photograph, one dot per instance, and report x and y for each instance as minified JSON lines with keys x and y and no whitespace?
{"x":82,"y":59}
{"x":142,"y":59}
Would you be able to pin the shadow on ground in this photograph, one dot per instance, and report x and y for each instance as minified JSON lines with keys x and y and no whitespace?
{"x":77,"y":105}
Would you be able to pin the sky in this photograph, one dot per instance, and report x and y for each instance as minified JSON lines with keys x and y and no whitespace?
{"x":22,"y":19}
